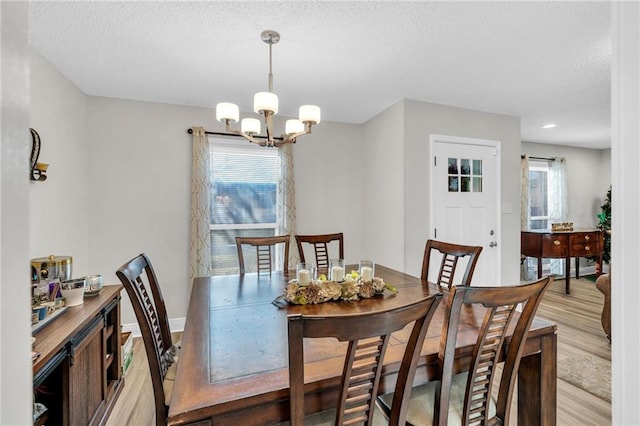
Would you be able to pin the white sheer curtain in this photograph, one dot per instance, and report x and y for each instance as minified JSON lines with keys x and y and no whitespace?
{"x":288,"y":212}
{"x":526,"y":265}
{"x":558,"y":203}
{"x":200,"y":247}
{"x":524,"y":193}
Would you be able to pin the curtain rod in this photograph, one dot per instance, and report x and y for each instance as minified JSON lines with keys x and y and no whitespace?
{"x":190,"y":131}
{"x":539,"y":158}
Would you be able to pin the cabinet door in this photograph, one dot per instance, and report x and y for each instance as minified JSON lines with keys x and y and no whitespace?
{"x":86,"y":373}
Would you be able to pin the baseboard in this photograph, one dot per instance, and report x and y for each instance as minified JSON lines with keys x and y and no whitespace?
{"x":175,"y":324}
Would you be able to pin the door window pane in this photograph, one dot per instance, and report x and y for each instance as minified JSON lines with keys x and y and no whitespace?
{"x":453,"y":184}
{"x":465,"y":175}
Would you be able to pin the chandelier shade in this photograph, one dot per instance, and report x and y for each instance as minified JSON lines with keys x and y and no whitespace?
{"x":227,"y":111}
{"x":293,"y":126}
{"x":266,"y":104}
{"x":309,"y":114}
{"x":250,"y":126}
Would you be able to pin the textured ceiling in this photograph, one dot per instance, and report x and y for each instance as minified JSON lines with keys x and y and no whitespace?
{"x":542,"y":61}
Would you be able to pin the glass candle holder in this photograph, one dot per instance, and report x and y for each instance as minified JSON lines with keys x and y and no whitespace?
{"x":305,"y":273}
{"x":367,"y":270}
{"x":336,"y":270}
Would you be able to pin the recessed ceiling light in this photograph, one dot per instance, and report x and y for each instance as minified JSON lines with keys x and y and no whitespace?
{"x":549,"y":126}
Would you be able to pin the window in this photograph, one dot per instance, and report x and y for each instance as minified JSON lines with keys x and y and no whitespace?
{"x":246,"y":200}
{"x":539,"y":195}
{"x":547,"y":202}
{"x":464,"y":175}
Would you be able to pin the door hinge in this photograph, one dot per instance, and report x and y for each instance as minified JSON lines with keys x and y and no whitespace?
{"x":435,"y":233}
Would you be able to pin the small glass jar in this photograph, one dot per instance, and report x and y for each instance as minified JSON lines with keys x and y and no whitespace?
{"x":367,"y":270}
{"x":93,"y":285}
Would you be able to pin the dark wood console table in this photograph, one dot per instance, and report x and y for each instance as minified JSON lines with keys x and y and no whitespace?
{"x":563,"y":245}
{"x":78,"y":374}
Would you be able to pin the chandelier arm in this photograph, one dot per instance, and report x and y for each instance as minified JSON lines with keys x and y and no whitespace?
{"x":280,"y":144}
{"x":293,"y":136}
{"x":268,"y":123}
{"x":244,"y":135}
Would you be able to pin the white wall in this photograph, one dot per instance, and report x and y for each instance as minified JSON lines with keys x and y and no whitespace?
{"x":383,"y":158}
{"x":588,"y":178}
{"x":59,"y":205}
{"x":328,"y":178}
{"x":605,"y":171}
{"x":423,"y":119}
{"x":15,"y":324}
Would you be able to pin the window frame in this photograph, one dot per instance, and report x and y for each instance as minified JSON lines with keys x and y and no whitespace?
{"x":233,"y":145}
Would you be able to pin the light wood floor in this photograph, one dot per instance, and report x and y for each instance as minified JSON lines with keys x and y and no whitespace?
{"x":579,"y":332}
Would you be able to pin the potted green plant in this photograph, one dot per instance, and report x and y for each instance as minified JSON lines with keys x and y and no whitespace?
{"x":604,"y":224}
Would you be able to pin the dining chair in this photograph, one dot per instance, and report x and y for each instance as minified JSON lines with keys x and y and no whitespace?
{"x":451,"y":254}
{"x":320,"y":245}
{"x":264,"y":252}
{"x":367,"y":335}
{"x":139,"y":280}
{"x":466,"y":398}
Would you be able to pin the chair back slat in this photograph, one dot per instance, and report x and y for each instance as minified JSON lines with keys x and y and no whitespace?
{"x":265,"y":256}
{"x":322,"y":256}
{"x":451,"y":254}
{"x":139,"y":280}
{"x":368,"y":335}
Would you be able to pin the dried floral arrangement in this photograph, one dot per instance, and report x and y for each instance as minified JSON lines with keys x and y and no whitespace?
{"x":322,"y":290}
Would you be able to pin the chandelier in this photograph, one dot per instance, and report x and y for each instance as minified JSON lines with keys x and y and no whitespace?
{"x":266,"y":104}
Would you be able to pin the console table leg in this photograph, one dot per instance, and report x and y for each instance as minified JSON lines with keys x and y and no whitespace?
{"x":567,"y":274}
{"x":539,"y":267}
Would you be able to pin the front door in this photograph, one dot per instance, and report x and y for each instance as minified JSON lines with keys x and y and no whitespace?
{"x":465,"y":200}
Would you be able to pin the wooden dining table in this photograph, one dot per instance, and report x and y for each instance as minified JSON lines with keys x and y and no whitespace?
{"x":233,"y":365}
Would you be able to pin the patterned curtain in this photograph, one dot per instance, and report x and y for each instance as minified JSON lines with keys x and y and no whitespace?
{"x":558,"y":203}
{"x":289,"y":202}
{"x":200,"y":249}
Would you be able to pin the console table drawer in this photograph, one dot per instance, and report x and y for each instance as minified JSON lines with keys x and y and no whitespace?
{"x":555,"y":246}
{"x":584,"y":237}
{"x":584,"y":244}
{"x":584,"y":249}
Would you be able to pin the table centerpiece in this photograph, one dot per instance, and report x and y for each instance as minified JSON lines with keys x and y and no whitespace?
{"x":322,"y":290}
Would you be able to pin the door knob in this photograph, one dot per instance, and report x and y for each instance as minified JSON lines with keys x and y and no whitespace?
{"x":493,"y":244}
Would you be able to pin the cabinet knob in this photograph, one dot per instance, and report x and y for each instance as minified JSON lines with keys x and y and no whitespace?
{"x":587,"y":248}
{"x":557,"y":242}
{"x":586,"y":237}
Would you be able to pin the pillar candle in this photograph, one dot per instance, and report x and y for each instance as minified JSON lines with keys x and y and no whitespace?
{"x":366,"y":273}
{"x":304,"y":277}
{"x":337,"y":273}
